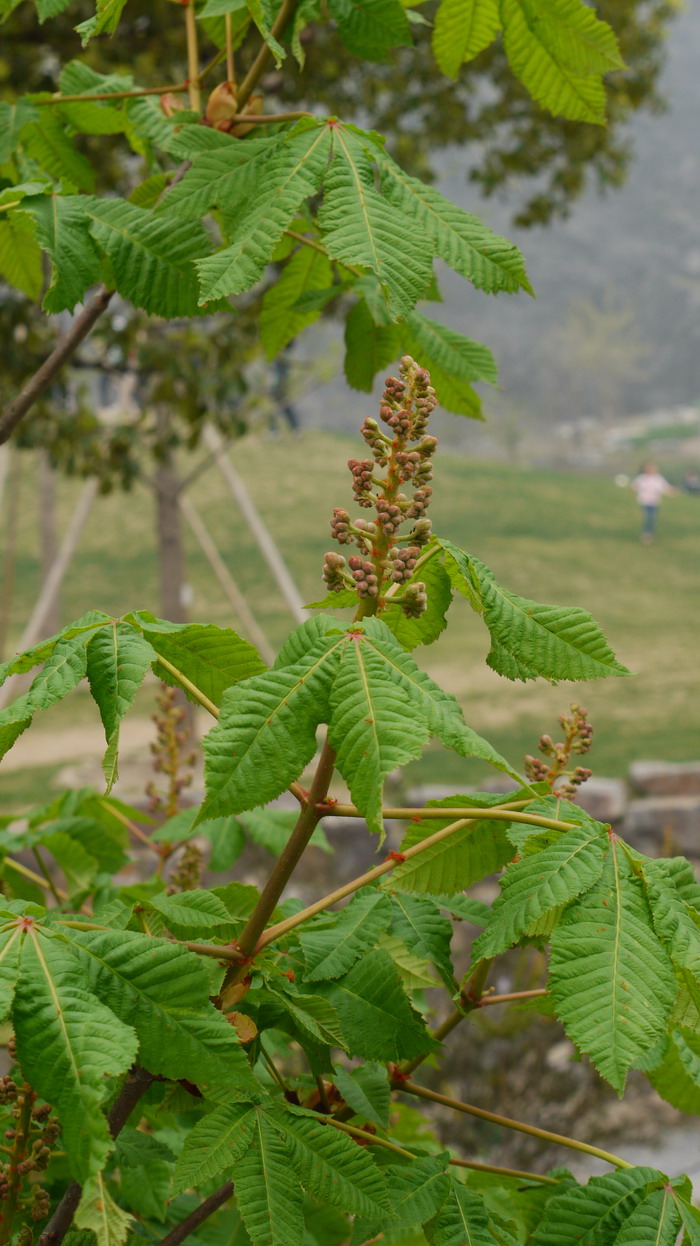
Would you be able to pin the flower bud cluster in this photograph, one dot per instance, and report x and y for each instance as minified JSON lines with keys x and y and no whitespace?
{"x":362,"y":481}
{"x":403,"y":564}
{"x":8,"y":1090}
{"x":389,"y":516}
{"x":378,"y":442}
{"x":334,"y":574}
{"x":578,"y":734}
{"x":340,"y":526}
{"x":420,"y":503}
{"x":364,"y":575}
{"x":404,"y":454}
{"x":421,"y":532}
{"x":414,"y":601}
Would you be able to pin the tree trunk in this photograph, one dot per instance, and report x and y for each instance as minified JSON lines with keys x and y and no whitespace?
{"x":48,"y":536}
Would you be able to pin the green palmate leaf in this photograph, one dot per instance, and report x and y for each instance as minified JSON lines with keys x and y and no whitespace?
{"x":145,"y":1169}
{"x":105,"y":21}
{"x":675,"y":922}
{"x":66,"y":1042}
{"x":258,"y":11}
{"x":268,"y":1194}
{"x":610,"y":978}
{"x":544,"y":881}
{"x":332,"y":1167}
{"x":377,"y":1019}
{"x":556,"y":642}
{"x":449,"y":350}
{"x":117,"y":661}
{"x":558,"y":49}
{"x":312,"y":1019}
{"x":463,"y":28}
{"x":192,"y":914}
{"x":280,"y":321}
{"x":369,"y":346}
{"x":677,"y":1077}
{"x":13,"y":118}
{"x":370,"y":729}
{"x":466,"y":908}
{"x":369,"y":28}
{"x":20,"y":254}
{"x":223,"y":175}
{"x":415,"y":971}
{"x":63,"y":671}
{"x":215,"y":1143}
{"x":691,"y":1221}
{"x":93,"y":116}
{"x":47,"y":142}
{"x":103,"y":837}
{"x":152,"y":256}
{"x":266,"y":733}
{"x":163,"y":991}
{"x":212,"y":658}
{"x":331,"y":946}
{"x":62,"y":230}
{"x":467,"y":856}
{"x":461,"y":1221}
{"x":98,"y":1211}
{"x":366,"y":1090}
{"x":39,"y":653}
{"x":419,"y":922}
{"x":78,"y":865}
{"x":282,"y":184}
{"x":654,"y":1222}
{"x":361,"y":227}
{"x":411,"y":632}
{"x":441,"y":711}
{"x":418,"y":1191}
{"x":490,"y":262}
{"x":593,"y":1213}
{"x":10,"y":948}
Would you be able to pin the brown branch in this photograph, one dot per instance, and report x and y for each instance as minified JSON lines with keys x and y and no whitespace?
{"x":264,"y":56}
{"x":198,"y":1216}
{"x":308,"y":820}
{"x":135,"y":1086}
{"x":61,"y":353}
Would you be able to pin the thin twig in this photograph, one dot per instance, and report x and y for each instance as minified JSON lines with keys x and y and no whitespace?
{"x":573,"y":1144}
{"x":130,"y":826}
{"x":198,"y":1216}
{"x":408,"y":813}
{"x":34,"y":878}
{"x":61,"y":353}
{"x":175,"y":87}
{"x":504,"y":1172}
{"x":475,"y":815}
{"x":513,"y":997}
{"x":46,"y":872}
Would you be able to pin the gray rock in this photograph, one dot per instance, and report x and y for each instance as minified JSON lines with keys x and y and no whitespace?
{"x":605,"y":799}
{"x":666,"y":778}
{"x":664,"y":825}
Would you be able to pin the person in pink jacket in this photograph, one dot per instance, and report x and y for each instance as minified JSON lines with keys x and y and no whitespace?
{"x":650,"y":486}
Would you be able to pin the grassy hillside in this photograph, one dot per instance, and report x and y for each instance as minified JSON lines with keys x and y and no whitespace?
{"x":552,"y":536}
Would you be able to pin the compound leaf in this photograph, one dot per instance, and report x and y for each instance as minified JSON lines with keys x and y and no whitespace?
{"x":117,"y":662}
{"x":376,"y":1017}
{"x":593,"y":1213}
{"x":461,"y":1221}
{"x":331,"y":947}
{"x":331,"y":1165}
{"x":268,"y":1194}
{"x":62,"y":230}
{"x":536,"y":884}
{"x":611,"y":980}
{"x":212,"y":658}
{"x":215,"y":1143}
{"x":280,"y":319}
{"x":369,"y":28}
{"x":462,"y":30}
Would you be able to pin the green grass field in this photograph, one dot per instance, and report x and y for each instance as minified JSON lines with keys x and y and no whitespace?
{"x":554,"y":536}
